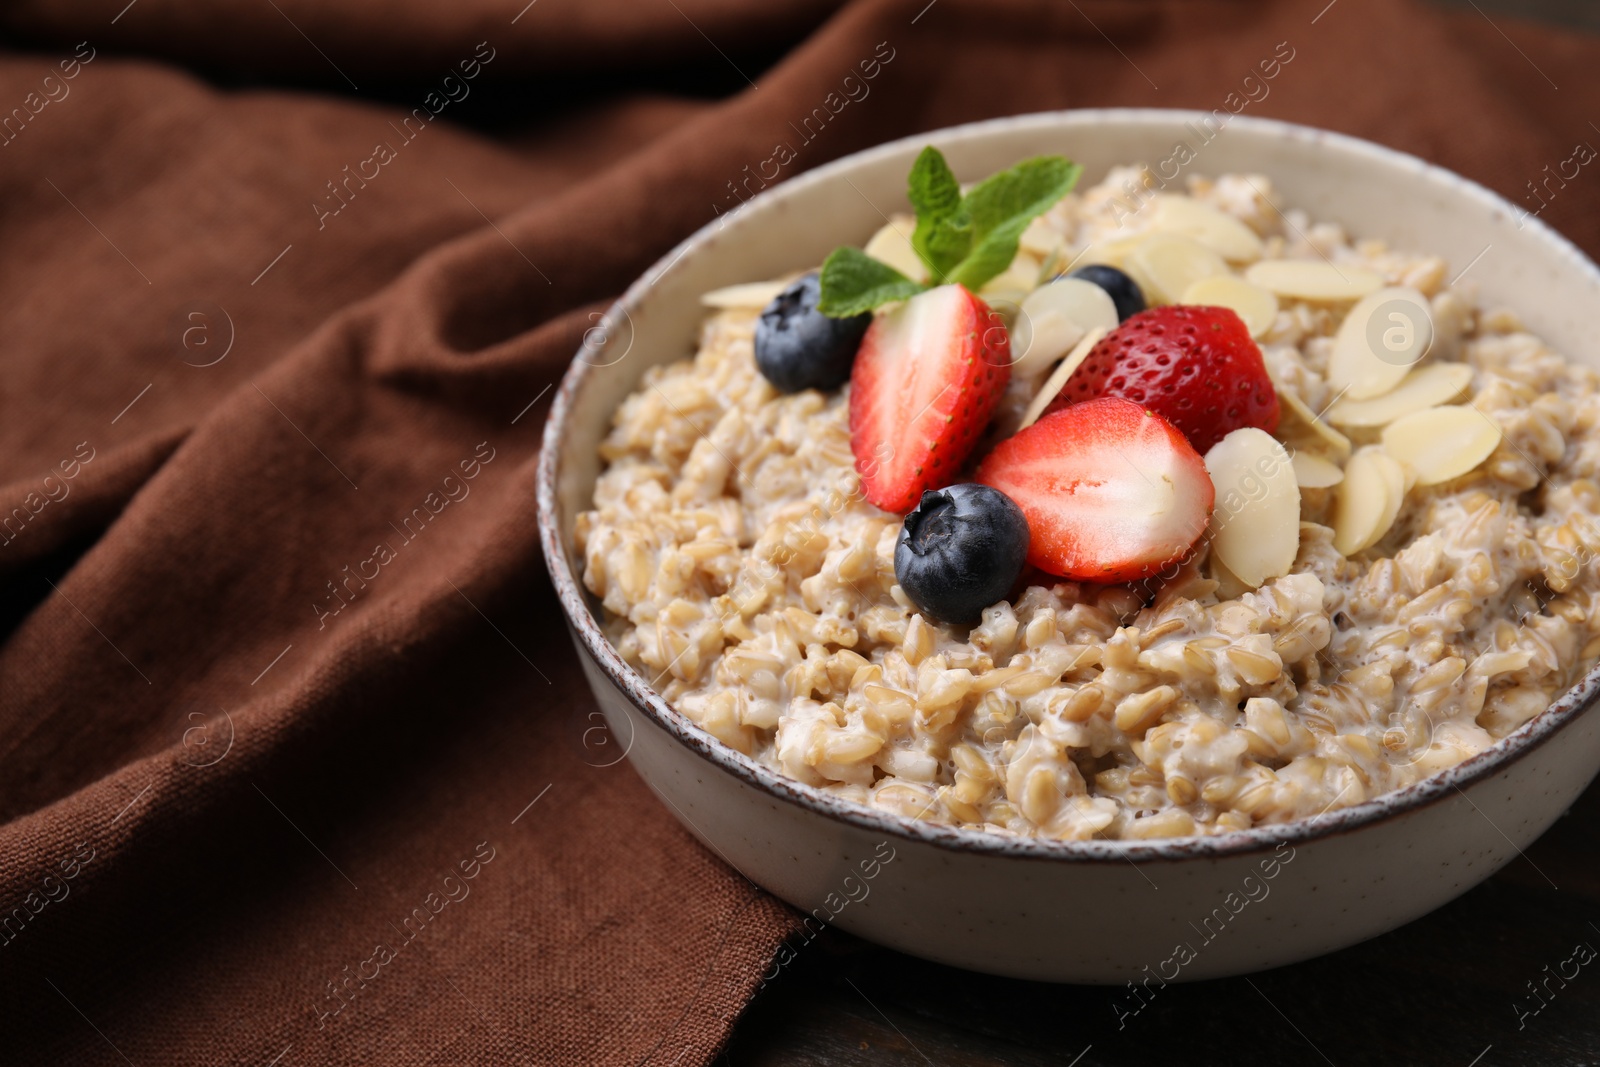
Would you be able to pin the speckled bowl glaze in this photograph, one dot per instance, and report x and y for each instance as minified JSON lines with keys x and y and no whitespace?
{"x":1091,"y":911}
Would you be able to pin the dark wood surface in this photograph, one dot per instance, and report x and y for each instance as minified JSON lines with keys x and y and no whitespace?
{"x":1452,"y":988}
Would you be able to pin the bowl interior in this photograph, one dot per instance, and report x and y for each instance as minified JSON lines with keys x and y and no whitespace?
{"x":1373,"y":192}
{"x":1515,"y":261}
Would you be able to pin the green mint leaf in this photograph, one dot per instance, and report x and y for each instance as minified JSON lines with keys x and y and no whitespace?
{"x":854,"y":282}
{"x":941,"y":244}
{"x":967,"y":239}
{"x":1023,"y":192}
{"x":991,"y":257}
{"x":1000,"y":208}
{"x":943,"y":236}
{"x":933,"y":189}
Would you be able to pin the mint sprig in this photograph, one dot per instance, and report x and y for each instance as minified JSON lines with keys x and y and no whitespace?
{"x":966,"y":239}
{"x":853,"y":282}
{"x":944,"y":231}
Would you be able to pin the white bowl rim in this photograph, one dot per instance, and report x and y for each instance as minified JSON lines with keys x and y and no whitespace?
{"x":1257,"y":839}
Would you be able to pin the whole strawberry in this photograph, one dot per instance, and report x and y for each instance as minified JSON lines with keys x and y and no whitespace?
{"x":1195,"y":366}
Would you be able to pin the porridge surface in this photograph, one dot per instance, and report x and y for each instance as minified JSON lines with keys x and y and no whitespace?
{"x":744,"y":574}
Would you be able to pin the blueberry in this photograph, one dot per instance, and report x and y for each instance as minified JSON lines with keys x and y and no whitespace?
{"x":1124,"y":290}
{"x":960,"y":551}
{"x":798,"y":347}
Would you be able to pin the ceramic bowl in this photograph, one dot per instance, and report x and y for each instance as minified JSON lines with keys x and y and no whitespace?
{"x":1090,"y":911}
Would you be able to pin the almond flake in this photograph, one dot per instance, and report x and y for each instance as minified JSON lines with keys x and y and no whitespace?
{"x":1304,"y":423}
{"x":748,"y":295}
{"x":1400,"y":479}
{"x":1312,"y":471}
{"x":1423,"y":388}
{"x":892,"y":245}
{"x":1255,"y":529}
{"x":1053,"y":384}
{"x":1381,"y":339}
{"x":1229,"y":585}
{"x":1442,"y":443}
{"x":1113,"y":249}
{"x":1253,"y":304}
{"x":1165,"y":265}
{"x":1006,"y":291}
{"x":1217,"y":230}
{"x":1054,"y":318}
{"x":1361,"y":502}
{"x":1313,"y":279}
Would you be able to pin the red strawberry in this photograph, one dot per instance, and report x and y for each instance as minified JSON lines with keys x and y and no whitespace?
{"x":925,"y":381}
{"x":1196,"y":366}
{"x":1112,"y":492}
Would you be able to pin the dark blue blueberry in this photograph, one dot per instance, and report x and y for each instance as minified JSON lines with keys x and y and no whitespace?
{"x":961,"y":551}
{"x":1124,"y":290}
{"x":798,"y":347}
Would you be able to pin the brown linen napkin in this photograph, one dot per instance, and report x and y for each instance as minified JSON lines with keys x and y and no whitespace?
{"x":296,"y":763}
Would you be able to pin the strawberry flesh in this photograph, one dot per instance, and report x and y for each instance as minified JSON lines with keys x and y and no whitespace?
{"x":1112,"y":492}
{"x":925,"y":381}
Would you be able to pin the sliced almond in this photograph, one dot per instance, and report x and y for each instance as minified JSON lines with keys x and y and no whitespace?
{"x":1006,"y":291}
{"x":1312,"y":471}
{"x":1255,"y":529}
{"x":1423,"y":388}
{"x":1361,"y":501}
{"x":1380,"y":340}
{"x":748,"y":295}
{"x":1166,"y":264}
{"x":1058,"y":378}
{"x":1054,"y":318}
{"x":1257,"y":307}
{"x":1229,"y":585}
{"x":1410,"y":475}
{"x":892,"y":245}
{"x":1442,"y":443}
{"x":1217,"y":230}
{"x":1112,"y":250}
{"x":1302,"y":422}
{"x":1313,"y":279}
{"x":1400,"y":479}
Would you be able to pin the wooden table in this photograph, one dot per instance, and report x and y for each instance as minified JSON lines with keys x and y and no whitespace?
{"x":1447,"y":989}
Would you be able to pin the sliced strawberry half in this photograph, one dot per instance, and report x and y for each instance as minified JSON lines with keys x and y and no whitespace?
{"x":1112,"y":492}
{"x":925,"y":381}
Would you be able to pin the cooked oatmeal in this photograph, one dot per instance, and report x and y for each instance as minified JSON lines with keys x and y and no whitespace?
{"x":746,"y":577}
